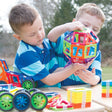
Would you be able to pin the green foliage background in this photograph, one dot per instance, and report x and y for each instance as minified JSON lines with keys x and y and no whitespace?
{"x":65,"y":12}
{"x":57,"y":12}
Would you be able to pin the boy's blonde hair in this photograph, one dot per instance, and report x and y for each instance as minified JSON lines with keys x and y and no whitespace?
{"x":91,"y":9}
{"x":21,"y":15}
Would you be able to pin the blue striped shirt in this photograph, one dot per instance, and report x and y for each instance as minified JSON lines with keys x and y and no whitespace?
{"x":36,"y":62}
{"x":62,"y":60}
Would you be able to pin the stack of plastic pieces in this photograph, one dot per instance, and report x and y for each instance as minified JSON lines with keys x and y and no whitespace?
{"x":107,"y":89}
{"x":79,"y":97}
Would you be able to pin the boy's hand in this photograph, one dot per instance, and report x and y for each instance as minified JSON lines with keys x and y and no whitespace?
{"x":55,"y":33}
{"x":74,"y":26}
{"x":88,"y":76}
{"x":78,"y":66}
{"x":89,"y":63}
{"x":83,"y":66}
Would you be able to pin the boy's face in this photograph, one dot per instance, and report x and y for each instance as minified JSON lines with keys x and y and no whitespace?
{"x":91,"y":22}
{"x":33,"y":34}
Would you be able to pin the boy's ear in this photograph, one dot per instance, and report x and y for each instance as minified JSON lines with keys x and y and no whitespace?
{"x":17,"y":36}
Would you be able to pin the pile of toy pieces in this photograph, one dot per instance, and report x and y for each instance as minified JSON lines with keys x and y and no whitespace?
{"x":57,"y":103}
{"x":107,"y":89}
{"x":21,"y":99}
{"x":76,"y":98}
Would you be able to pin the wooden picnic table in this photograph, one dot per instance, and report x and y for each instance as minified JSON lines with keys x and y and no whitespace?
{"x":95,"y":107}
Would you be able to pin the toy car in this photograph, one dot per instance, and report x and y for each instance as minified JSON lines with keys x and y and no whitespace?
{"x":16,"y":79}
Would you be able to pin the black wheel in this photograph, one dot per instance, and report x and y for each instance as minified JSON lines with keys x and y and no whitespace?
{"x":33,"y":90}
{"x":3,"y":82}
{"x":3,"y":91}
{"x":36,"y":84}
{"x":21,"y":101}
{"x":28,"y":84}
{"x":22,"y":90}
{"x":19,"y":90}
{"x":6,"y":101}
{"x":38,"y":100}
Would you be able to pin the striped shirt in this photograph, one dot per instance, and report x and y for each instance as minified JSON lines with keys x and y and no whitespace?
{"x":62,"y":60}
{"x":36,"y":62}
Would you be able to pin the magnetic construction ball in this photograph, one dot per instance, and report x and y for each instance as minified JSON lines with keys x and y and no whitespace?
{"x":81,"y":46}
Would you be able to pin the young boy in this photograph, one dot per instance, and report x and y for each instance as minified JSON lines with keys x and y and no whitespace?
{"x":35,"y":57}
{"x":91,"y":16}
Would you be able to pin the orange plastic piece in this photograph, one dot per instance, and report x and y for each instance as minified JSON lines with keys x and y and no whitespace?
{"x":7,"y":76}
{"x":53,"y":100}
{"x":79,"y":105}
{"x":55,"y":97}
{"x":11,"y":79}
{"x":104,"y":95}
{"x":3,"y":75}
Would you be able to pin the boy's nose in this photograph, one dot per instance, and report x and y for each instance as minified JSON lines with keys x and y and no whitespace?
{"x":90,"y":27}
{"x":39,"y":35}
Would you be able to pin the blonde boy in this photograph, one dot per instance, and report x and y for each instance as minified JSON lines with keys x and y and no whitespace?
{"x":91,"y":16}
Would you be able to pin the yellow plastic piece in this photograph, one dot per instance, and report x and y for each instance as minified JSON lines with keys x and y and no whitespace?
{"x":79,"y":95}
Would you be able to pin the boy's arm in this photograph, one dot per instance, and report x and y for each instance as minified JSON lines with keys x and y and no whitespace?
{"x":63,"y":73}
{"x":88,"y":76}
{"x":58,"y":30}
{"x":93,"y":75}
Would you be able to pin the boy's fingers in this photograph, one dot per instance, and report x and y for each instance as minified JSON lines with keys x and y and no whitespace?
{"x":92,"y":60}
{"x":77,"y":72}
{"x":89,"y":63}
{"x":78,"y":25}
{"x":93,"y":70}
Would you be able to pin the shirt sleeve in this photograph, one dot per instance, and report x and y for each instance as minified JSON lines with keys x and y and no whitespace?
{"x":97,"y":65}
{"x":58,"y":47}
{"x":29,"y":64}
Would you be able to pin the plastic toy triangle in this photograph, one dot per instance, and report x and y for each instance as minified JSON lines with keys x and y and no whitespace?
{"x":90,"y":40}
{"x":63,"y":104}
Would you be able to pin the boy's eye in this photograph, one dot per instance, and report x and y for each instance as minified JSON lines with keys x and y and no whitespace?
{"x":95,"y":30}
{"x":33,"y":34}
{"x":40,"y":28}
{"x":85,"y":25}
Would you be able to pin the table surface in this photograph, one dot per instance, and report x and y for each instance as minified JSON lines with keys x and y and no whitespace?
{"x":96,"y":97}
{"x":94,"y":106}
{"x":28,"y":110}
{"x":97,"y":105}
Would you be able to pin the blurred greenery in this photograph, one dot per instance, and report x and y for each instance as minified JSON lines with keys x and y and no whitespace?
{"x":107,"y":73}
{"x":57,"y":12}
{"x":10,"y":68}
{"x":66,"y":11}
